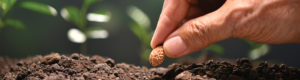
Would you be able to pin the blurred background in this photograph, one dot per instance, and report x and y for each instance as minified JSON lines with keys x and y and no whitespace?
{"x":44,"y":33}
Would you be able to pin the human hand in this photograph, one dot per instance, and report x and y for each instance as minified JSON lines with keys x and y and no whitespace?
{"x":265,"y":21}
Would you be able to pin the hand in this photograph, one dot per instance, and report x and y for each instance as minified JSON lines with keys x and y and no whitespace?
{"x":265,"y":21}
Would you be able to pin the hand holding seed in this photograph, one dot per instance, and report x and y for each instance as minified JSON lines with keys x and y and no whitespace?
{"x":157,"y":56}
{"x":209,"y":21}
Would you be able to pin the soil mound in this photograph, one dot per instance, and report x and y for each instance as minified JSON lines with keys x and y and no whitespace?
{"x":79,"y":67}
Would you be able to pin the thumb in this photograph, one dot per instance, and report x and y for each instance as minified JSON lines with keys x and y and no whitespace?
{"x":197,"y":34}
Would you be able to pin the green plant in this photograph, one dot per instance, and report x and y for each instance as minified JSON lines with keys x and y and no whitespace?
{"x":80,"y":18}
{"x":8,"y":5}
{"x":257,"y":50}
{"x":141,"y":28}
{"x":216,"y":48}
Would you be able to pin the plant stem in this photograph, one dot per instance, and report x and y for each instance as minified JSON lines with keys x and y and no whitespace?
{"x":83,"y":25}
{"x":144,"y":55}
{"x":1,"y":23}
{"x":83,"y":47}
{"x":83,"y":19}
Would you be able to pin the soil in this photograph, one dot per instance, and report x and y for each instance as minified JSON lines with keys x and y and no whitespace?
{"x":79,"y":67}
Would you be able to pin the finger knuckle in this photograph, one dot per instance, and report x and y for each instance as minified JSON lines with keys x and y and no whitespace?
{"x":197,"y":28}
{"x":197,"y":32}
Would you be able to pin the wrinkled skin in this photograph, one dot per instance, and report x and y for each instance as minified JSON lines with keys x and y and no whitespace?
{"x":264,"y":21}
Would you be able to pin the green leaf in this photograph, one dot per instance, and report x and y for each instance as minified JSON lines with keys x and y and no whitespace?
{"x":258,"y":52}
{"x":143,"y":34}
{"x":17,"y":24}
{"x":71,"y":14}
{"x":6,"y":5}
{"x":145,"y":54}
{"x":216,"y":48}
{"x":89,"y":2}
{"x":253,"y":45}
{"x":96,"y":33}
{"x":138,"y":16}
{"x":39,"y":7}
{"x":103,"y":12}
{"x":99,"y":16}
{"x":1,"y":9}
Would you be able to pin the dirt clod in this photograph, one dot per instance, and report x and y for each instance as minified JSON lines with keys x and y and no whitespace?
{"x":185,"y":75}
{"x":51,"y":59}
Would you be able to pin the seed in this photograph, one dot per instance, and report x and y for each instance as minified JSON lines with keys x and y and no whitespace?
{"x":157,"y":56}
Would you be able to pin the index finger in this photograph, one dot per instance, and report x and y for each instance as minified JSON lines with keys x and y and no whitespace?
{"x":174,"y":11}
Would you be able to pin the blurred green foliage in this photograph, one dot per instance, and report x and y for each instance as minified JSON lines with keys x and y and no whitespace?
{"x":141,"y":28}
{"x":216,"y":48}
{"x":8,"y":5}
{"x":77,"y":16}
{"x":80,"y":17}
{"x":257,"y":50}
{"x":39,"y":7}
{"x":144,"y":34}
{"x":14,"y":23}
{"x":72,"y":15}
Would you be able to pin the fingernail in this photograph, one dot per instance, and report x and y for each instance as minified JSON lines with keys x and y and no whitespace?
{"x":175,"y":47}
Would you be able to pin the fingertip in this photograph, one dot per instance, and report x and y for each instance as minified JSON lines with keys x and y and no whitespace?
{"x":152,"y":44}
{"x":156,"y":40}
{"x":172,"y":14}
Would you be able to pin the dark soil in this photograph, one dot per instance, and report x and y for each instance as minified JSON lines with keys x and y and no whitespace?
{"x":79,"y":67}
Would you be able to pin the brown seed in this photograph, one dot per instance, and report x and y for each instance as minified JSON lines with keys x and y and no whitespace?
{"x":157,"y":56}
